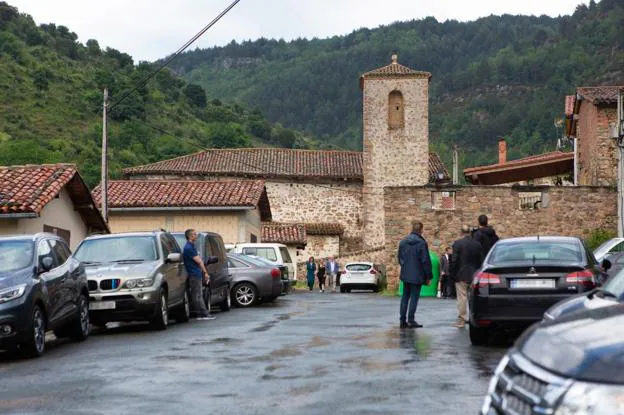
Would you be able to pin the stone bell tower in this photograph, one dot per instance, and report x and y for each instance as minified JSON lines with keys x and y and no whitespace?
{"x":396,"y":138}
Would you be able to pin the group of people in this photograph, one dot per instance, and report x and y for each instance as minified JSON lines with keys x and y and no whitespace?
{"x":457,"y":267}
{"x":326,"y":271}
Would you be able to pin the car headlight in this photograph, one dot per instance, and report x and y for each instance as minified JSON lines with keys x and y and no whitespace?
{"x":139,"y":283}
{"x":591,"y":398}
{"x":12,"y":293}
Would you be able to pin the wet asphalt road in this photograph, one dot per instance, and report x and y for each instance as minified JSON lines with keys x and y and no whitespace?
{"x":309,"y":353}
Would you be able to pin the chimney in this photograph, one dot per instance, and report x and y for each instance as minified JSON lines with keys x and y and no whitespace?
{"x":502,"y":151}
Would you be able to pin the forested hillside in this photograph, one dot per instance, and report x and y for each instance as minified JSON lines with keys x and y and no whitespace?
{"x":497,"y":76}
{"x":51,"y":105}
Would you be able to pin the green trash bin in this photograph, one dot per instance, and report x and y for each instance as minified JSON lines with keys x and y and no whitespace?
{"x":430,"y":290}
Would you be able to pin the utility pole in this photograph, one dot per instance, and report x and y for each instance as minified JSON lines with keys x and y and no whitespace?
{"x":104,"y":180}
{"x":455,"y":165}
{"x":620,"y":142}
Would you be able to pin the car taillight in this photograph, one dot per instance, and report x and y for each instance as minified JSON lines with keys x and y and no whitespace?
{"x":585,"y":277}
{"x":372,"y":271}
{"x":275,"y":273}
{"x":484,"y":279}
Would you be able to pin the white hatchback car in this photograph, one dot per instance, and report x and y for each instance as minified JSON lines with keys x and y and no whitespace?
{"x":360,"y":276}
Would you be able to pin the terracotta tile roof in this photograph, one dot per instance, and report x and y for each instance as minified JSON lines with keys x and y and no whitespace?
{"x":271,"y":163}
{"x":328,"y":229}
{"x":284,"y":233}
{"x":598,"y":95}
{"x":189,"y":194}
{"x":395,"y":69}
{"x":28,"y":189}
{"x":549,"y":164}
{"x":437,"y":169}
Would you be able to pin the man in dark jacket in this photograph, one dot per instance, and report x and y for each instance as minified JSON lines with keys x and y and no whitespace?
{"x":466,"y":260}
{"x":485,"y":235}
{"x":416,"y":270}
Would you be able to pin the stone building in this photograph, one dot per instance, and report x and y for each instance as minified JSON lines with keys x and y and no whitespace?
{"x":591,"y":113}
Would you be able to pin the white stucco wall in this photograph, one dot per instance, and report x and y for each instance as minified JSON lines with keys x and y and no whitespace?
{"x":59,"y":213}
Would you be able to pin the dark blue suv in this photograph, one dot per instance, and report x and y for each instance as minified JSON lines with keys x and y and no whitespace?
{"x":41,"y":288}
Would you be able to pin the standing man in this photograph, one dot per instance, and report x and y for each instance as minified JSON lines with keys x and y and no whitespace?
{"x":485,"y":235}
{"x":332,"y":273}
{"x":196,"y":273}
{"x":466,"y":260}
{"x":416,"y":270}
{"x":444,"y":286}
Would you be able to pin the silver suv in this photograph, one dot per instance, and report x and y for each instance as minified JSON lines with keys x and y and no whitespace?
{"x":135,"y":276}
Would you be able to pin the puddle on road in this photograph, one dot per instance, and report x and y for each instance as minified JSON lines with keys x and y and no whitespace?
{"x":226,"y":341}
{"x":412,"y":340}
{"x":224,"y":395}
{"x":305,"y":390}
{"x":291,"y":351}
{"x":318,"y":341}
{"x":265,"y":327}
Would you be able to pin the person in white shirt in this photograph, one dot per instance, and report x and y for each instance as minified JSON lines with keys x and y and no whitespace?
{"x":332,"y":269}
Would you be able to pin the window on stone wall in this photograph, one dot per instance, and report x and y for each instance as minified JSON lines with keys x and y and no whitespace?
{"x":529,"y":200}
{"x":443,"y":200}
{"x":396,"y":110}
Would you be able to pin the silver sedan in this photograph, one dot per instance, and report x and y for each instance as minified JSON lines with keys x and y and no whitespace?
{"x":253,"y":280}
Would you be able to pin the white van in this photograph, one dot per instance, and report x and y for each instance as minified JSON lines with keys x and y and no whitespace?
{"x":276,"y":253}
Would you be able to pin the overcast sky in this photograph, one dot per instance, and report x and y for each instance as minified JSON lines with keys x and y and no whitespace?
{"x":152,"y":29}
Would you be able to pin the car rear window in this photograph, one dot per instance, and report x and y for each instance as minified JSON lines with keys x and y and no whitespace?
{"x":259,"y":262}
{"x":264,"y":252}
{"x":285,"y":255}
{"x":538,"y":251}
{"x":358,"y":267}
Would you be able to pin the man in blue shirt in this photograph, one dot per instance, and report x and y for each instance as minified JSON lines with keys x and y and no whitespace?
{"x":196,"y":273}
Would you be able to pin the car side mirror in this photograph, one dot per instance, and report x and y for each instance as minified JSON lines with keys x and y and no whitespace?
{"x":606,"y":264}
{"x":211,"y":260}
{"x":46,"y":264}
{"x":171,"y":258}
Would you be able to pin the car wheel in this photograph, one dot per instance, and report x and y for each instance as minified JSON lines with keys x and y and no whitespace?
{"x":79,"y":328}
{"x":35,"y":345}
{"x":245,"y":294}
{"x":343,"y":289}
{"x":227,"y":303}
{"x":184,"y":313}
{"x":479,"y":336}
{"x":376,"y":289}
{"x":161,"y":319}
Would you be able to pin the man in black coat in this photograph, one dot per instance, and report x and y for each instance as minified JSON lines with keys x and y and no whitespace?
{"x":485,"y":235}
{"x":416,"y":270}
{"x":466,"y":259}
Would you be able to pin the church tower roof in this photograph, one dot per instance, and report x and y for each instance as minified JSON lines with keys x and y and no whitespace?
{"x":394,"y":70}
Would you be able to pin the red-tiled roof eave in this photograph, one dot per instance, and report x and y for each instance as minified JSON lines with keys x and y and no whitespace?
{"x":324,"y":229}
{"x":528,"y":161}
{"x":286,"y":233}
{"x":85,"y":205}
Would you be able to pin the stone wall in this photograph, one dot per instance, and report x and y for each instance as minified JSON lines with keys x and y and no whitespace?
{"x":320,"y":246}
{"x":310,"y":203}
{"x":597,"y":152}
{"x":572,"y":211}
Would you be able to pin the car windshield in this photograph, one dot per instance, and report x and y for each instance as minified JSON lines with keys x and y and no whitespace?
{"x":257,"y":261}
{"x":126,"y":248}
{"x":15,"y":255}
{"x":536,"y":251}
{"x":616,"y":284}
{"x":358,"y":267}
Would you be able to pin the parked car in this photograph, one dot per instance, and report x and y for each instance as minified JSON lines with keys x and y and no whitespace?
{"x":211,"y":249}
{"x":612,"y":293}
{"x":283,"y":269}
{"x":571,"y":365}
{"x":253,"y":280}
{"x":612,"y":245}
{"x":41,"y":288}
{"x":522,"y":277}
{"x":359,"y":276}
{"x":276,"y":253}
{"x":135,"y":277}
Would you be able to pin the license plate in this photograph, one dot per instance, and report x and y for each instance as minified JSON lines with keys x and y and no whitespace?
{"x":102,"y":305}
{"x":546,"y":283}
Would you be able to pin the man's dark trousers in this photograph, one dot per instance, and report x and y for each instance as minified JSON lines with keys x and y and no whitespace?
{"x":411,"y":294}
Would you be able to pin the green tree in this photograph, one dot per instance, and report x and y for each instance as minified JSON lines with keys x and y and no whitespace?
{"x":195,"y":95}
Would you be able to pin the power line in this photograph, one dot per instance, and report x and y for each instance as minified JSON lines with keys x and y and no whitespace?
{"x":170,"y":59}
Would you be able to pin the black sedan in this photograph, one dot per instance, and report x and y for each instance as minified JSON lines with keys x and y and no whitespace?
{"x":253,"y":280}
{"x":522,"y":277}
{"x":572,"y":365}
